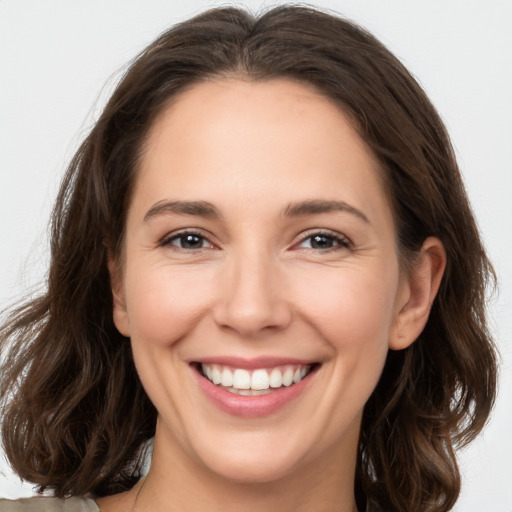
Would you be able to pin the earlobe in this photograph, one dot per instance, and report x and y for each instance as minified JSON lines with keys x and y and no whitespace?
{"x":119,"y":311}
{"x":417,"y":294}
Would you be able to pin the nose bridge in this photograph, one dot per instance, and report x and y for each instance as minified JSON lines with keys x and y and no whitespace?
{"x":252,"y":297}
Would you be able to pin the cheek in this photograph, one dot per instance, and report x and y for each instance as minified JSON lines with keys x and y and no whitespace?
{"x":163,"y":303}
{"x":351,"y":307}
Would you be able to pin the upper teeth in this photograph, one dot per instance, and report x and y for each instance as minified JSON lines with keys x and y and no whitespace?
{"x":259,"y":379}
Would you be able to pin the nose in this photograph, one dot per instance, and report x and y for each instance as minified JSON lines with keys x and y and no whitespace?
{"x":252,"y":296}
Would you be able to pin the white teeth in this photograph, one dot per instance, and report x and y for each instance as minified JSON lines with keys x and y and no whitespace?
{"x":227,"y":378}
{"x":276,"y":378}
{"x":257,"y":382}
{"x":256,"y":392}
{"x":216,"y":376}
{"x":288,"y":377}
{"x":248,"y":392}
{"x":241,"y":379}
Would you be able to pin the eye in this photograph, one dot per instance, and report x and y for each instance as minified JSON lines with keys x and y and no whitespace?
{"x":188,"y":241}
{"x":324,"y":241}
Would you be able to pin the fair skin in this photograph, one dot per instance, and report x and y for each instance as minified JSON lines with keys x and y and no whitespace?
{"x":259,"y":228}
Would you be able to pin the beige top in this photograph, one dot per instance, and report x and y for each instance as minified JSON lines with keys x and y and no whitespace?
{"x":44,"y":504}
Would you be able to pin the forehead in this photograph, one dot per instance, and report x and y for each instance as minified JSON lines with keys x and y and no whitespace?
{"x":249,"y":136}
{"x":246,"y":107}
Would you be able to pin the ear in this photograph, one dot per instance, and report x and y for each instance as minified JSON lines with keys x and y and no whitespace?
{"x":417,"y":293}
{"x":119,"y":312}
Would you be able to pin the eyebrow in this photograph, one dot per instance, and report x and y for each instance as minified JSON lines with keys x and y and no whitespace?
{"x":202,"y":208}
{"x":206,"y":209}
{"x":315,"y":206}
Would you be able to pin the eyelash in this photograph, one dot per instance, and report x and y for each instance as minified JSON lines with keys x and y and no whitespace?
{"x":340,"y":241}
{"x":168,"y":240}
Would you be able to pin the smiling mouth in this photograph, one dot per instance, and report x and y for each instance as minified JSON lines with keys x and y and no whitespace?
{"x":255,"y":382}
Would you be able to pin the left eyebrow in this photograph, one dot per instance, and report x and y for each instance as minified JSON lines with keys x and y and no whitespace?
{"x":201,"y":208}
{"x":315,"y":206}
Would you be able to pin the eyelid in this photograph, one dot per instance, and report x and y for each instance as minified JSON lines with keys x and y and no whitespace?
{"x":166,"y":240}
{"x":343,"y":240}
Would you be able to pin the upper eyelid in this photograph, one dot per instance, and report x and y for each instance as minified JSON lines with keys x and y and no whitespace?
{"x":319,"y":231}
{"x":298,"y":239}
{"x":187,"y":231}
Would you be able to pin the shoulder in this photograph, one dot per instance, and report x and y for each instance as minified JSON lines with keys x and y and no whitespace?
{"x":45,"y":504}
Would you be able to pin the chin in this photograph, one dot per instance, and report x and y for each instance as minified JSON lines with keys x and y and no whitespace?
{"x":263,"y":461}
{"x":245,"y":470}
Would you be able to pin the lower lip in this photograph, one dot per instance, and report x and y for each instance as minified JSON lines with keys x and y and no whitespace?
{"x":252,"y":406}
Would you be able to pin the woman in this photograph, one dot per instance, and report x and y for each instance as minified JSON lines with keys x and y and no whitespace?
{"x":263,"y":256}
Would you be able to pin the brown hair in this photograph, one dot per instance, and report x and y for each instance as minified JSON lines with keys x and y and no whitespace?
{"x":74,"y":411}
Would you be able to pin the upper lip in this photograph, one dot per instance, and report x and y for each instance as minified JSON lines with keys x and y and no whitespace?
{"x":253,"y":363}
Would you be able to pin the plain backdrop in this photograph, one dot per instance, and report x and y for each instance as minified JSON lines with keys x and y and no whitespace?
{"x":59,"y":59}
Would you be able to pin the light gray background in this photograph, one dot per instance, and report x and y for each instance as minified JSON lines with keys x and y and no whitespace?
{"x":58,"y":62}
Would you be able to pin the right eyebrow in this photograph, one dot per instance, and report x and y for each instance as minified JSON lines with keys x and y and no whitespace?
{"x":201,"y":208}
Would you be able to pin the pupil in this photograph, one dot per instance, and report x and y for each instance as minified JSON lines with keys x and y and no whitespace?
{"x":191,"y":241}
{"x":321,"y":242}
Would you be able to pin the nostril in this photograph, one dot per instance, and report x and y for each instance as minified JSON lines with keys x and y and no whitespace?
{"x":252,"y":299}
{"x":250,"y":320}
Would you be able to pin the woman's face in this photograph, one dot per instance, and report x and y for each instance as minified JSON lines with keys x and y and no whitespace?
{"x":260,"y":251}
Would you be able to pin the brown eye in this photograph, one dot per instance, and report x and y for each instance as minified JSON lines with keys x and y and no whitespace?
{"x":324,"y":241}
{"x":188,"y":241}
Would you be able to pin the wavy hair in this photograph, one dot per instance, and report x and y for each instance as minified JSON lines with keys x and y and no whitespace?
{"x":74,"y":413}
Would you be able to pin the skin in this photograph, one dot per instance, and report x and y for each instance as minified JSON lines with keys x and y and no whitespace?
{"x":256,"y":285}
